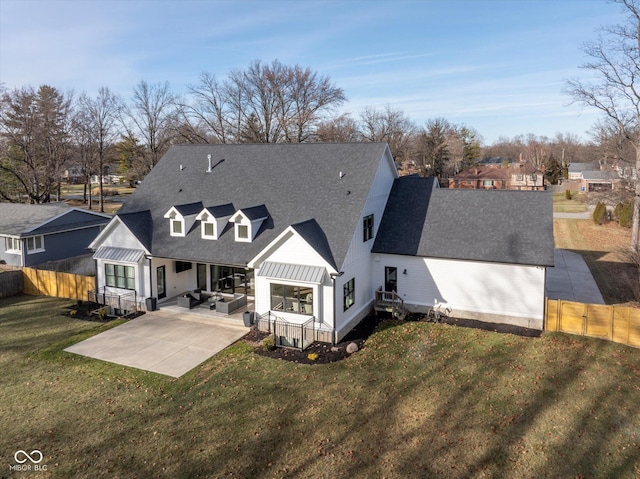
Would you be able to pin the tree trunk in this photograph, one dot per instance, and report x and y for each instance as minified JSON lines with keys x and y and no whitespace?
{"x":635,"y":229}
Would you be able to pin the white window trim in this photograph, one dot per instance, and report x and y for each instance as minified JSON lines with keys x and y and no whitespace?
{"x":14,"y":241}
{"x":177,"y":220}
{"x":215,"y":230}
{"x":35,"y":250}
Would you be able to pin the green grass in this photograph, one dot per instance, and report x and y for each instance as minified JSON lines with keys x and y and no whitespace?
{"x":577,"y":204}
{"x":419,"y":400}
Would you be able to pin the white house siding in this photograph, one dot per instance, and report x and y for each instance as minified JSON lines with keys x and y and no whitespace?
{"x":175,"y":283}
{"x":295,"y":250}
{"x":121,"y":237}
{"x":357,"y":262}
{"x":499,"y":293}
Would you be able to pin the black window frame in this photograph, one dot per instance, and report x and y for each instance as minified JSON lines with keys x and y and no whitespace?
{"x":122,"y":280}
{"x":349,"y":292}
{"x":367,"y":228}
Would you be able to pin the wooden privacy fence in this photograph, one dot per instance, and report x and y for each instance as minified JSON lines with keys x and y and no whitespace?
{"x":615,"y":323}
{"x":54,"y":283}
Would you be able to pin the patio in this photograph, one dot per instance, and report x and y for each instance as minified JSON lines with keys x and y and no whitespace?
{"x":203,"y":310}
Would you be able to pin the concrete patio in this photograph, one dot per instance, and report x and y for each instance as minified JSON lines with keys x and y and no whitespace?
{"x":165,"y":341}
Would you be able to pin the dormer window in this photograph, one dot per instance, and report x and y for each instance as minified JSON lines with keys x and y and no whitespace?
{"x":208,"y":230}
{"x":247,"y":222}
{"x":176,"y":227}
{"x":182,"y":217}
{"x":213,"y":220}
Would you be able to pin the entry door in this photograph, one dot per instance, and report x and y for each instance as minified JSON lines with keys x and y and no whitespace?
{"x":390,"y":279}
{"x":162,"y":286}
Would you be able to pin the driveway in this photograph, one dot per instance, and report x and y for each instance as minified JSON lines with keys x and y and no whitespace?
{"x":162,"y":343}
{"x":570,"y":279}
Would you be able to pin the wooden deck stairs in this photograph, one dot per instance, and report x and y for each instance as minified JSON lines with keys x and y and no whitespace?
{"x":390,"y":302}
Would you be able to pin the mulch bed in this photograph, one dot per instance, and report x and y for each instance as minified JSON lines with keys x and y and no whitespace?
{"x":325,"y":353}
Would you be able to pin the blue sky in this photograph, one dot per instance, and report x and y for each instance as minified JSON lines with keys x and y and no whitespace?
{"x":498,"y":66}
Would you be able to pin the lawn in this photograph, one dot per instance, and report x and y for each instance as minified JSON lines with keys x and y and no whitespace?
{"x":599,"y":246}
{"x":577,"y":204}
{"x":419,"y":400}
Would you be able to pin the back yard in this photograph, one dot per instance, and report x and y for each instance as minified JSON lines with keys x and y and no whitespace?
{"x":419,"y":400}
{"x":600,"y":246}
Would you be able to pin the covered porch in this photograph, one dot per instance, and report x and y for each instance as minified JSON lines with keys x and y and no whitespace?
{"x":204,"y":310}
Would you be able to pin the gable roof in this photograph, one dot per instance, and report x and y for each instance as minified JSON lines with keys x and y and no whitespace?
{"x":578,"y":167}
{"x":140,"y":224}
{"x":18,"y":219}
{"x":500,"y":226}
{"x":600,"y":175}
{"x":294,"y":182}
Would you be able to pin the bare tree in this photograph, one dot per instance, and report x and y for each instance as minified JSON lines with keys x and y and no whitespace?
{"x":342,"y":128}
{"x":85,"y":146}
{"x":151,"y":116}
{"x":35,"y":129}
{"x":389,"y":125}
{"x":265,"y":103}
{"x":615,"y":91}
{"x":101,"y":115}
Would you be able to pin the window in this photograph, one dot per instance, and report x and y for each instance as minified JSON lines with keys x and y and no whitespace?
{"x":487,"y":183}
{"x":519,"y":177}
{"x":13,"y":245}
{"x":349,"y":293}
{"x":182,"y":266}
{"x":201,"y":277}
{"x":176,"y":227}
{"x":293,"y":299}
{"x":243,"y":231}
{"x":367,"y":228}
{"x":120,"y":276}
{"x":35,"y":244}
{"x":208,"y":230}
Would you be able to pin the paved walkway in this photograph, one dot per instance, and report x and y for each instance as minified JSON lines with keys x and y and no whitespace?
{"x":162,"y":342}
{"x":571,"y":279}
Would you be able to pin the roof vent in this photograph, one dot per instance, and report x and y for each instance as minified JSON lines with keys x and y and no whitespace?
{"x":342,"y":175}
{"x":209,"y":158}
{"x":181,"y":167}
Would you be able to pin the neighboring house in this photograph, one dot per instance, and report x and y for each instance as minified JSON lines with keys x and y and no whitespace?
{"x":34,"y":234}
{"x":485,"y":178}
{"x":73,"y":175}
{"x":588,"y":177}
{"x":526,"y":177}
{"x":575,"y":170}
{"x":293,"y":226}
{"x":600,"y":181}
{"x":517,"y":177}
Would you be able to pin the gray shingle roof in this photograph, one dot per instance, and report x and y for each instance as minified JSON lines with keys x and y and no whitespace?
{"x":140,"y":224}
{"x":221,"y":211}
{"x":600,"y":175}
{"x":296,"y":183}
{"x":513,"y":227}
{"x":190,"y":208}
{"x":19,"y":219}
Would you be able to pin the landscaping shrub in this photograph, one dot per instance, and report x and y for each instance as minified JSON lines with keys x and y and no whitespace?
{"x":567,"y":194}
{"x":268,"y":343}
{"x":625,"y":217}
{"x":600,"y":213}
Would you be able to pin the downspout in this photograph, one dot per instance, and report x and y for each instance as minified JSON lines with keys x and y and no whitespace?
{"x":335,"y":276}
